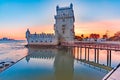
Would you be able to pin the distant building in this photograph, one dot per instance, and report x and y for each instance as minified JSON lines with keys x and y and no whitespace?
{"x":63,"y":27}
{"x":6,"y":39}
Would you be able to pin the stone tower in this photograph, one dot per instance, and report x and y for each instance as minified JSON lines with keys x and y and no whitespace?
{"x":64,"y":24}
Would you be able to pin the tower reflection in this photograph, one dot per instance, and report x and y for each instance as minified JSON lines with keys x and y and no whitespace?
{"x":63,"y":61}
{"x":41,"y":53}
{"x":64,"y":65}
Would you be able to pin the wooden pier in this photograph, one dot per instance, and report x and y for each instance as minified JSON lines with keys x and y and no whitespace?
{"x":96,"y":45}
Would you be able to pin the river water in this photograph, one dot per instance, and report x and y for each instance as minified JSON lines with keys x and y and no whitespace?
{"x":56,"y":64}
{"x":12,"y":50}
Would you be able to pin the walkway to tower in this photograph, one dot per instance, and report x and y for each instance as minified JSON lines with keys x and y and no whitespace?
{"x":98,"y":45}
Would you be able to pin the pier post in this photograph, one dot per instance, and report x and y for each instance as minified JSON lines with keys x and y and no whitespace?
{"x":85,"y":52}
{"x":107,"y":57}
{"x":95,"y":55}
{"x":77,"y":52}
{"x":110,"y":59}
{"x":80,"y":52}
{"x":88,"y":54}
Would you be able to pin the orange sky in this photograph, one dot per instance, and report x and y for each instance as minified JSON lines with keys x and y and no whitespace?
{"x":98,"y":27}
{"x":19,"y":33}
{"x":80,"y":28}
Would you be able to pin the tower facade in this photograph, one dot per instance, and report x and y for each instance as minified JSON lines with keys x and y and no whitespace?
{"x":64,"y":24}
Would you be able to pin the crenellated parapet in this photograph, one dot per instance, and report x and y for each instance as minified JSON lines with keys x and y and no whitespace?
{"x":41,"y":39}
{"x":65,"y":12}
{"x":42,"y":35}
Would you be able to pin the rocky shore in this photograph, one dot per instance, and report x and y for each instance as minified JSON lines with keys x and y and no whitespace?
{"x":5,"y":64}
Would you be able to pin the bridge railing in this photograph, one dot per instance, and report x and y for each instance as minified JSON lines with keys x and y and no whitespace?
{"x":103,"y":45}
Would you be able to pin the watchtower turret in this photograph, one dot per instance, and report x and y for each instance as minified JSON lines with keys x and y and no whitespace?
{"x":27,"y":33}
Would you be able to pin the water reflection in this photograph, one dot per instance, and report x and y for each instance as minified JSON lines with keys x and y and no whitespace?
{"x":103,"y":57}
{"x":62,"y":64}
{"x":63,"y":61}
{"x":41,"y":53}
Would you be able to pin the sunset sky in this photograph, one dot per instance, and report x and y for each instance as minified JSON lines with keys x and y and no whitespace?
{"x":91,"y":16}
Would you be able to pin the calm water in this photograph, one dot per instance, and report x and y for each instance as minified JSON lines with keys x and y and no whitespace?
{"x":57,"y":64}
{"x":12,"y":50}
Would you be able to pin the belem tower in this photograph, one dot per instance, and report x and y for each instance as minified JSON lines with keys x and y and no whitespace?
{"x":63,"y":29}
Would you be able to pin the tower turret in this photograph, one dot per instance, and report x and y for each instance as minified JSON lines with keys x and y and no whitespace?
{"x":27,"y":33}
{"x":57,"y":7}
{"x":71,"y":6}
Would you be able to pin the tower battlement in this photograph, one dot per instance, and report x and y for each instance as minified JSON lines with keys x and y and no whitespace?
{"x":65,"y":12}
